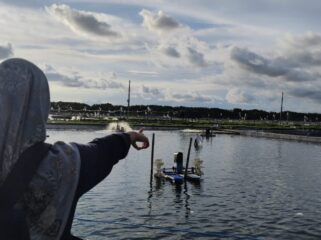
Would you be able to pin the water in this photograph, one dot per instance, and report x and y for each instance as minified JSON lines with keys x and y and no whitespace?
{"x":253,"y":188}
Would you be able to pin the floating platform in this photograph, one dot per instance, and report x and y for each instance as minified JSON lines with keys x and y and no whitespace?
{"x":173,"y":176}
{"x":176,"y":178}
{"x":176,"y":174}
{"x":192,"y":177}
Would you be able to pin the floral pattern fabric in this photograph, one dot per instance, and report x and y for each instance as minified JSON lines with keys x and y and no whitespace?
{"x":24,"y":108}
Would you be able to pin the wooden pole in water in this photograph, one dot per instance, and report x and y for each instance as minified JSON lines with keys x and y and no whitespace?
{"x":187,"y":161}
{"x":152,"y":159}
{"x":281,"y":107}
{"x":128,"y":100}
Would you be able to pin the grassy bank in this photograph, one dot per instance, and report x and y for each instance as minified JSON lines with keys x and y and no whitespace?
{"x":198,"y":124}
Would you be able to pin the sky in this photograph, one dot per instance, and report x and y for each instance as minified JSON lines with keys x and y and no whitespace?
{"x":198,"y":53}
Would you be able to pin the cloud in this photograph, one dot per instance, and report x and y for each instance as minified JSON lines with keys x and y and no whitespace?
{"x":174,"y":40}
{"x":138,"y":72}
{"x":236,"y":95}
{"x":82,"y":22}
{"x":188,"y":50}
{"x":256,"y":63}
{"x":24,"y":3}
{"x":171,"y":52}
{"x":290,"y":70}
{"x":158,"y":21}
{"x":153,"y":91}
{"x":149,"y":93}
{"x":159,"y":94}
{"x":314,"y":94}
{"x":111,"y":84}
{"x":196,"y":58}
{"x":295,"y":60}
{"x":309,"y":39}
{"x":190,"y":97}
{"x":75,"y":80}
{"x":6,"y":51}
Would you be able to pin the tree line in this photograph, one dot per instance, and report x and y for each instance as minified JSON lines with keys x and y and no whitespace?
{"x":184,"y":112}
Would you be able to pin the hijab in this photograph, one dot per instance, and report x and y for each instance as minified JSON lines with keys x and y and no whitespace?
{"x":24,"y":109}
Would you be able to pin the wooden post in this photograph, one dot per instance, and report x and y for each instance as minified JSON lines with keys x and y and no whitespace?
{"x":152,"y":159}
{"x":187,"y":161}
{"x":281,"y":108}
{"x":128,"y":100}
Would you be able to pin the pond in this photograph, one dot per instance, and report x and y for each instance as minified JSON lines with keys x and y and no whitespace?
{"x":252,"y":188}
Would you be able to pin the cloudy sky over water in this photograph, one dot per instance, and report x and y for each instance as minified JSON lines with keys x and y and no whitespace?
{"x":209,"y":53}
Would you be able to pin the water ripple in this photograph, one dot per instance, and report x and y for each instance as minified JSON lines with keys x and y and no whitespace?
{"x":253,"y":188}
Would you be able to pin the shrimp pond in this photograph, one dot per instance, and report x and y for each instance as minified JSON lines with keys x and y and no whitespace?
{"x":252,"y":188}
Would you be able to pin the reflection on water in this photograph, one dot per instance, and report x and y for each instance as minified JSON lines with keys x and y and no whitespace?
{"x":179,"y":193}
{"x":253,"y":188}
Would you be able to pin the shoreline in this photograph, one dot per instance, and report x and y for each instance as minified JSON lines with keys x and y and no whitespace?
{"x":286,"y":134}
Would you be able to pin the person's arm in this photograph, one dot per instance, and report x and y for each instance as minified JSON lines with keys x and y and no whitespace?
{"x":100,"y":155}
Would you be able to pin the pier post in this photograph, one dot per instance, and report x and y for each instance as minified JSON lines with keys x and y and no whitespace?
{"x":152,"y":159}
{"x":188,"y":154}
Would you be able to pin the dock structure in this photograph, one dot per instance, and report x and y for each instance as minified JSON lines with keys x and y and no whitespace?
{"x":293,"y":137}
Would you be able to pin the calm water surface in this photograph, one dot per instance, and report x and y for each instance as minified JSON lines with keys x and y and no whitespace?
{"x":253,"y":188}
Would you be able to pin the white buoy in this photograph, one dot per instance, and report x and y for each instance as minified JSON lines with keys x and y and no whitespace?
{"x":197,"y":165}
{"x":158,"y":168}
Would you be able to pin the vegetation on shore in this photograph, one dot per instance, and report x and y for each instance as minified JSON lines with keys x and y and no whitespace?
{"x":182,"y":112}
{"x":180,"y":117}
{"x":196,"y":123}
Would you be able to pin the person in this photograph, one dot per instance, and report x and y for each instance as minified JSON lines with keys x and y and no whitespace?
{"x":68,"y":170}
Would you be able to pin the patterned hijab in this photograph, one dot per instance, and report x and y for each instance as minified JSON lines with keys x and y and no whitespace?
{"x":24,"y":108}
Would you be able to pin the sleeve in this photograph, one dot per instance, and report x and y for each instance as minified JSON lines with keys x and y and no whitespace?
{"x":99,"y":156}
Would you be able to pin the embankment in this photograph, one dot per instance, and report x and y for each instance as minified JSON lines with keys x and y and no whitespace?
{"x":282,"y":135}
